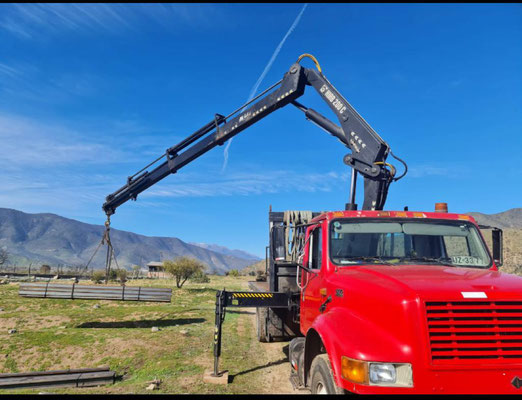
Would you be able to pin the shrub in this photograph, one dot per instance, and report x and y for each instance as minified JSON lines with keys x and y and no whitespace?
{"x":183,"y":268}
{"x":122,"y":275}
{"x":233,"y":272}
{"x":113,"y":275}
{"x":98,"y":276}
{"x":200,"y":277}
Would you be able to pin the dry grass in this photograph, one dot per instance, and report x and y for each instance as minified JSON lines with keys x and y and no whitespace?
{"x":61,"y":334}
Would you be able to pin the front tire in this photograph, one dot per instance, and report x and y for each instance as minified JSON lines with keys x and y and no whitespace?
{"x":322,"y":379}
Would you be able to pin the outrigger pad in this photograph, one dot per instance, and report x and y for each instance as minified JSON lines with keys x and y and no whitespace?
{"x":222,"y":379}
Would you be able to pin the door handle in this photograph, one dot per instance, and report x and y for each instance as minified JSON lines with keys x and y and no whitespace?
{"x":323,"y":306}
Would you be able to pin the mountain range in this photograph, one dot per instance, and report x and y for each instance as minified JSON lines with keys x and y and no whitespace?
{"x":55,"y":240}
{"x":510,"y":219}
{"x":227,"y":251}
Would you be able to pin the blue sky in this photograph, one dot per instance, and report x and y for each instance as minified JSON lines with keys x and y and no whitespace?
{"x":89,"y":94}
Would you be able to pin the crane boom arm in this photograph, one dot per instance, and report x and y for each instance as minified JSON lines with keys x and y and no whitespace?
{"x":368,"y":155}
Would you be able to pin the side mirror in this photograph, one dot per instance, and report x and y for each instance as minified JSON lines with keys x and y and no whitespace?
{"x":495,"y":243}
{"x":496,"y":236}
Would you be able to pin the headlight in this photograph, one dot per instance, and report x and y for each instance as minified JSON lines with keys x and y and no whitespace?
{"x":382,"y":373}
{"x":376,"y":374}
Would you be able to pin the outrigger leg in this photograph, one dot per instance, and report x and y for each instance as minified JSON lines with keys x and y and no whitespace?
{"x":226,"y":299}
{"x":220,"y":317}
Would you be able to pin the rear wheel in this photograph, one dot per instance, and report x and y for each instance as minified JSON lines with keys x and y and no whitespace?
{"x":322,"y":379}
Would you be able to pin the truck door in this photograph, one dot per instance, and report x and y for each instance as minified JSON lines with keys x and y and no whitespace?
{"x":311,"y":282}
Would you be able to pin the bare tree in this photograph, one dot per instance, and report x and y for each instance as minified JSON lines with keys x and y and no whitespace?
{"x":4,"y":256}
{"x":136,"y":271}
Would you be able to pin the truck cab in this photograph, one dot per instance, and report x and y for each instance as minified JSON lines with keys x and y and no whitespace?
{"x":405,"y":302}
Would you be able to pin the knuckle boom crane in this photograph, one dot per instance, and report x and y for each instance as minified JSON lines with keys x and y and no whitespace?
{"x":368,"y":150}
{"x":368,"y":158}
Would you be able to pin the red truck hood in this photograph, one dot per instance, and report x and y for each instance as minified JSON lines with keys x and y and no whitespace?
{"x":440,"y":282}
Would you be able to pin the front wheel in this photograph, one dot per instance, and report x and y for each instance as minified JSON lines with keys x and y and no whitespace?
{"x":322,"y":379}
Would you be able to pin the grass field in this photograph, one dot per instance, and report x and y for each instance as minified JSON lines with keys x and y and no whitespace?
{"x":61,"y":334}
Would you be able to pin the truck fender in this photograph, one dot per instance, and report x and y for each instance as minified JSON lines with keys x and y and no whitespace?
{"x":340,"y":332}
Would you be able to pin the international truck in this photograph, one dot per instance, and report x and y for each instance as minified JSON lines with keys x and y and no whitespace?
{"x":392,"y":302}
{"x":371,"y":301}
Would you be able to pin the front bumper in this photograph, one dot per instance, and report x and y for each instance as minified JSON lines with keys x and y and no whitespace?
{"x":497,"y":380}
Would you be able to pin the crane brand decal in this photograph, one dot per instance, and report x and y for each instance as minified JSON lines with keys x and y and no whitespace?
{"x":474,"y":295}
{"x":338,"y":104}
{"x":245,"y":116}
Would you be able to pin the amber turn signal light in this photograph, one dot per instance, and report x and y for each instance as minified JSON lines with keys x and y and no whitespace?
{"x":354,"y":370}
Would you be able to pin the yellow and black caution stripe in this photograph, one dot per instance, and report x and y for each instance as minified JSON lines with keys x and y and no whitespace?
{"x":253,"y":295}
{"x":255,"y":299}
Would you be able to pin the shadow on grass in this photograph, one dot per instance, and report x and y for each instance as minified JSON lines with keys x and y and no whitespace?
{"x":230,"y":311}
{"x":285,"y":350}
{"x":270,"y":364}
{"x":145,"y":323}
{"x":201,"y":290}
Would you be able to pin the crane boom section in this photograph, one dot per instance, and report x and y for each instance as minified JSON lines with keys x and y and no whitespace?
{"x":366,"y":145}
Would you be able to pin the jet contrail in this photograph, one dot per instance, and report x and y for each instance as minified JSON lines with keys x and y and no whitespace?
{"x":263,"y":74}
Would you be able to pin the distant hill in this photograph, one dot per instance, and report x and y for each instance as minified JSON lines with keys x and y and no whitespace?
{"x":55,"y":240}
{"x":227,"y":251}
{"x":507,"y":219}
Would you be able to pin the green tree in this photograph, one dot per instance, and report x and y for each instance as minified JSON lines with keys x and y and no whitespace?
{"x":183,"y":268}
{"x":136,"y":271}
{"x":45,"y":269}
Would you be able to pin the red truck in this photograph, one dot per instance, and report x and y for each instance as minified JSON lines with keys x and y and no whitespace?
{"x":372,"y":301}
{"x":393,"y":302}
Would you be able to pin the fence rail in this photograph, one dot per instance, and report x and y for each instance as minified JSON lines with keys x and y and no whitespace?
{"x":88,"y":292}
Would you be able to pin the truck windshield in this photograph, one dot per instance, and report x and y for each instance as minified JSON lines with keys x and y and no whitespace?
{"x":452,"y":243}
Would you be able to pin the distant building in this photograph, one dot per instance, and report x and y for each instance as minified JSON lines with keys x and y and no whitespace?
{"x":156,"y":270}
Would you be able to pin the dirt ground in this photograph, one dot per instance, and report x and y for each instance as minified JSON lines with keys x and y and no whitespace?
{"x":277,"y":372}
{"x":272,"y":364}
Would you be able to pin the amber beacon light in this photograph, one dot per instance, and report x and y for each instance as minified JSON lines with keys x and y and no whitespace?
{"x":441,"y":207}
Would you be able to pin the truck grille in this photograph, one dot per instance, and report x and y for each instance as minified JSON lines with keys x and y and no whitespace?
{"x":463,"y":331}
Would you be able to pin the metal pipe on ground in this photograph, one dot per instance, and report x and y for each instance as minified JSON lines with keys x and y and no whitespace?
{"x":85,"y":292}
{"x":61,"y":378}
